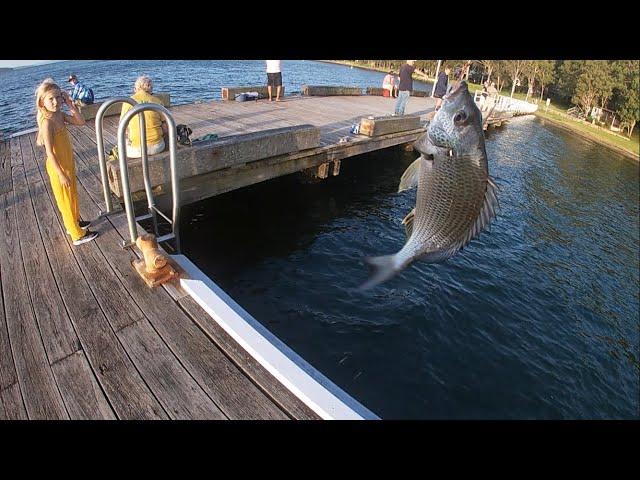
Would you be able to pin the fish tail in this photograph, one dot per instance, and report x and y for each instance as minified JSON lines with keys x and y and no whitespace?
{"x":381,"y":269}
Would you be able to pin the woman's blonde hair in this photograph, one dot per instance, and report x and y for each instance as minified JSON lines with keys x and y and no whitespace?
{"x":45,"y":87}
{"x":144,"y":82}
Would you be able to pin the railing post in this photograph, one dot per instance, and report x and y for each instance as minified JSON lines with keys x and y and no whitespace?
{"x":100,"y":144}
{"x":126,"y":191}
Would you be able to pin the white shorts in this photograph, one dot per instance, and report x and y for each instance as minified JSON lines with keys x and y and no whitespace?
{"x":134,"y":152}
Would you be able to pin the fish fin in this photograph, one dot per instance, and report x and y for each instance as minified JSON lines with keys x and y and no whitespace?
{"x":410,"y":176}
{"x":381,"y":269}
{"x":408,"y":222}
{"x":488,"y":212}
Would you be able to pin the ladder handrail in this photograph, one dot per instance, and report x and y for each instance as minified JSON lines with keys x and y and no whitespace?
{"x":122,"y":155}
{"x":99,"y":122}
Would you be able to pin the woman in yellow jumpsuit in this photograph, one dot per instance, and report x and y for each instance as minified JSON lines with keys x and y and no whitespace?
{"x":53,"y":135}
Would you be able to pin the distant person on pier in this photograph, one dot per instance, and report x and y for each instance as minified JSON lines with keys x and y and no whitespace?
{"x":396,"y":85}
{"x":155,"y":127}
{"x":441,"y":87}
{"x":491,"y":96}
{"x":274,"y":78}
{"x":60,"y":165}
{"x":388,"y":84}
{"x":405,"y":87}
{"x":81,"y":95}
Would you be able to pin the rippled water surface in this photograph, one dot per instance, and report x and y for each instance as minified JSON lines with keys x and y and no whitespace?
{"x":537,"y":319}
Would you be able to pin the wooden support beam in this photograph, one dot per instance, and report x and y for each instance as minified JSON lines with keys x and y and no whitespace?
{"x":329,"y":90}
{"x":376,"y":126}
{"x":229,"y":93}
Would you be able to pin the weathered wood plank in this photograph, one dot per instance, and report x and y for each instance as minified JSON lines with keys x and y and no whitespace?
{"x":229,"y":93}
{"x":5,"y":167}
{"x":127,"y":393}
{"x":109,"y":292}
{"x":178,"y":392}
{"x":7,"y":366}
{"x":16,"y":156}
{"x":41,"y":395}
{"x":58,"y":336}
{"x":236,"y":396}
{"x":11,"y":404}
{"x":278,"y":392}
{"x":328,"y":90}
{"x":171,"y":384}
{"x":80,"y":390}
{"x":376,"y":126}
{"x":215,"y":374}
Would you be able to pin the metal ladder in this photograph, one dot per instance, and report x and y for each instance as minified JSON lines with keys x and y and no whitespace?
{"x":153,"y":211}
{"x":100,"y":144}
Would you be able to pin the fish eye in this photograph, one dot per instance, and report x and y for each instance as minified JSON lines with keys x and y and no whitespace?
{"x":460,"y":117}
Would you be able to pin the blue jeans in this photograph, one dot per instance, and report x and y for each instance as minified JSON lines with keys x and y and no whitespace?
{"x":401,"y":103}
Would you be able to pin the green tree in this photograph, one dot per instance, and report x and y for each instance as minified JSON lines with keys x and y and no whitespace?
{"x":626,"y":96}
{"x":545,"y":74}
{"x":489,"y":66}
{"x":567,"y":73}
{"x":530,"y":70}
{"x":514,"y":69}
{"x":594,"y":82}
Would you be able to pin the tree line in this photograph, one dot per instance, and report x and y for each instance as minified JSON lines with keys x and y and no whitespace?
{"x":607,"y":84}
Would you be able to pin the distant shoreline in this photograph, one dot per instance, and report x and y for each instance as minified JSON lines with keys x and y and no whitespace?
{"x":565,"y":126}
{"x":420,"y":77}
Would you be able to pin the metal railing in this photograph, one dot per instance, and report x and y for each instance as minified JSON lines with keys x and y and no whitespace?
{"x":100,"y":144}
{"x":501,"y":103}
{"x":126,"y":191}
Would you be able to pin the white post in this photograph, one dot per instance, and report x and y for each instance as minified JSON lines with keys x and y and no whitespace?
{"x":547,"y":107}
{"x":433,"y":89}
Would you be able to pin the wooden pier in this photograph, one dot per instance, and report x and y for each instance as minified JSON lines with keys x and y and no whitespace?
{"x":218,"y":167}
{"x":83,"y":337}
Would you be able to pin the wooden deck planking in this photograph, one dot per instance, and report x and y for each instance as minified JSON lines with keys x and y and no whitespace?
{"x":80,"y":391}
{"x":278,"y":392}
{"x":127,"y":393}
{"x":176,"y":390}
{"x":40,"y":393}
{"x":11,"y":404}
{"x":59,"y":338}
{"x":165,"y":316}
{"x":5,"y":167}
{"x":160,"y":359}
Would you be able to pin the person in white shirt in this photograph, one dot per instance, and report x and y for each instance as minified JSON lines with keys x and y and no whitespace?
{"x":274,"y":78}
{"x":388,"y":83}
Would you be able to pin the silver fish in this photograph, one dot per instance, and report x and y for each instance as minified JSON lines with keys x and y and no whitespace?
{"x":456,"y":199}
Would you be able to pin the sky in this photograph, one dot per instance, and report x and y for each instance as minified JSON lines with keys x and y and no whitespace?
{"x":23,"y":63}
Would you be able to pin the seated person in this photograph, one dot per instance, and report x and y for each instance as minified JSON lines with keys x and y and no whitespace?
{"x":155,"y":127}
{"x":81,"y":95}
{"x":387,"y":84}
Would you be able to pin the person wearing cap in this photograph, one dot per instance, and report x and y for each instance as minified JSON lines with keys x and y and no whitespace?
{"x":80,"y":95}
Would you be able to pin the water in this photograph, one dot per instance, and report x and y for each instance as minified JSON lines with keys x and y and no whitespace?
{"x":537,"y":319}
{"x":186,"y":80}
